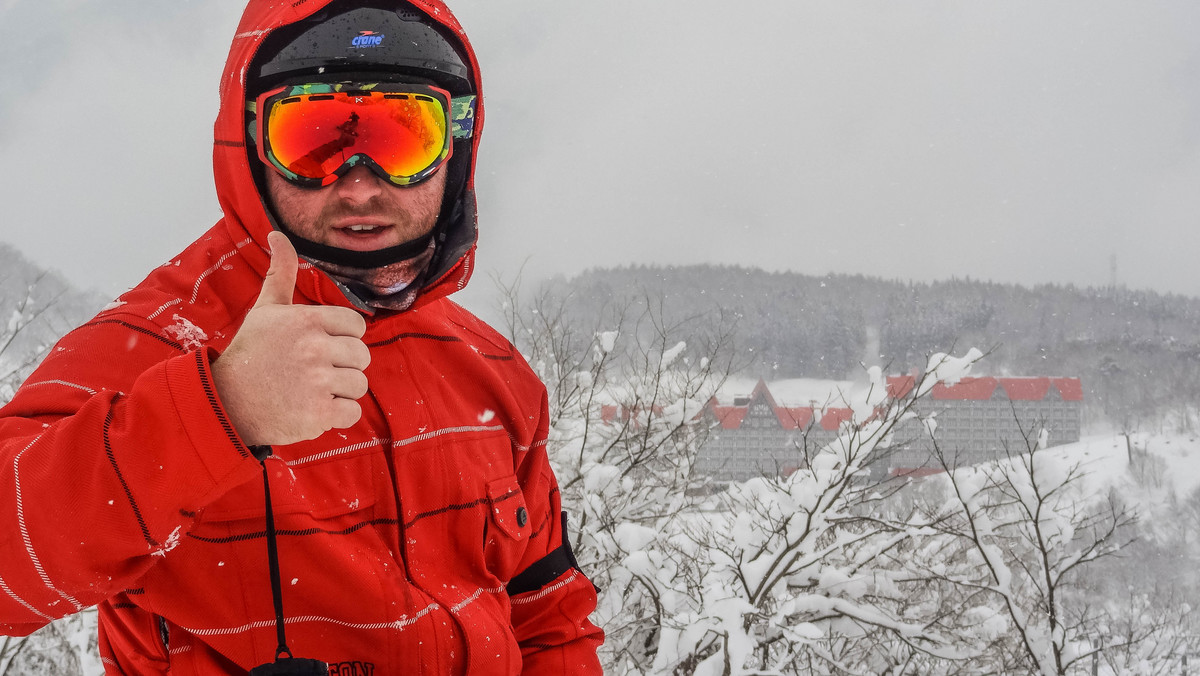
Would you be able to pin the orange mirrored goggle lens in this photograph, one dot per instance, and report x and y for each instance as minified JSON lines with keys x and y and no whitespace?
{"x":314,"y":135}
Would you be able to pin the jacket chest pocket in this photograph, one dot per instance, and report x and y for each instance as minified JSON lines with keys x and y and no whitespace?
{"x":506,"y":529}
{"x":330,"y":499}
{"x":326,"y":490}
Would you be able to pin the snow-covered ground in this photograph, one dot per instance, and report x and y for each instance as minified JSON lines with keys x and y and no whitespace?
{"x":1105,"y":459}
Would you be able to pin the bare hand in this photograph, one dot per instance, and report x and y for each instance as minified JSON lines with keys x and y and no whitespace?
{"x":292,"y":372}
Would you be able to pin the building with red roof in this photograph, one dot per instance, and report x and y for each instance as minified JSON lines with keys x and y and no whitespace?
{"x":757,"y":436}
{"x":978,"y":419}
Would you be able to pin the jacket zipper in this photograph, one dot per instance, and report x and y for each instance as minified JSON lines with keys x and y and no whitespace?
{"x":164,"y":635}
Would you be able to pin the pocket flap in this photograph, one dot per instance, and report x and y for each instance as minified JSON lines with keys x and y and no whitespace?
{"x":507,"y":504}
{"x":327,"y":491}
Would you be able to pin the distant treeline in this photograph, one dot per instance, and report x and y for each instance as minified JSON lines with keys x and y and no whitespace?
{"x":1137,"y":352}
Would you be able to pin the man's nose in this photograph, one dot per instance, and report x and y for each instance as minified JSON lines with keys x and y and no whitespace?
{"x":359,"y":185}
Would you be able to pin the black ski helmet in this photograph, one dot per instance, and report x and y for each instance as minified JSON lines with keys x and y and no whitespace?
{"x":372,"y":40}
{"x":362,"y":36}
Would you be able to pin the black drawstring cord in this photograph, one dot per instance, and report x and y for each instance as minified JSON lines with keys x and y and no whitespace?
{"x":285,"y":663}
{"x":273,"y":560}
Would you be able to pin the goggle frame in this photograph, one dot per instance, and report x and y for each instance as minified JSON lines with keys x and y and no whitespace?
{"x":459,"y":111}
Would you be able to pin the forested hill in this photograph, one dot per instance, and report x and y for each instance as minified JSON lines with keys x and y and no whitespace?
{"x":1138,"y":352}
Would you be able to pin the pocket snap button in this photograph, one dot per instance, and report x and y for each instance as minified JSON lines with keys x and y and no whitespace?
{"x":522,"y":517}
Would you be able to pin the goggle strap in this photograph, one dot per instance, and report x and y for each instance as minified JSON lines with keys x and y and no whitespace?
{"x":462,"y":116}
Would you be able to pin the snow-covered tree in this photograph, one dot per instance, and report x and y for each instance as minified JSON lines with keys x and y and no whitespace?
{"x":36,"y":308}
{"x":795,"y":574}
{"x":804,"y":573}
{"x":66,"y":647}
{"x":624,"y":432}
{"x":20,"y":308}
{"x":1030,"y":528}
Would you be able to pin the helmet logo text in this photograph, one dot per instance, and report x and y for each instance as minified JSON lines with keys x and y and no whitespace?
{"x":367,"y":39}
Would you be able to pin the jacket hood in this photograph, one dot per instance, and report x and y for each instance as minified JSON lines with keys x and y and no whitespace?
{"x":245,"y":215}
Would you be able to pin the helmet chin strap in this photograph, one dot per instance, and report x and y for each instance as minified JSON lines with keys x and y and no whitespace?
{"x":394,"y":286}
{"x":364,"y":260}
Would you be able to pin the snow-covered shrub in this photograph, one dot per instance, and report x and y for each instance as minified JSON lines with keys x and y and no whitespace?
{"x":799,"y":574}
{"x":826,"y":570}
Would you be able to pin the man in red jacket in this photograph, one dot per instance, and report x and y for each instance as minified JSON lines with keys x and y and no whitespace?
{"x":288,"y":440}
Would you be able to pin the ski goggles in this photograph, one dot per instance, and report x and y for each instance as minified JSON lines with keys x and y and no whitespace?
{"x":314,"y":133}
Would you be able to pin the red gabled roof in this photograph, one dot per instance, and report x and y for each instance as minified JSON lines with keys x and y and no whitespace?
{"x":1071,"y":389}
{"x":1016,"y":389}
{"x":761,"y":390}
{"x":730,"y":417}
{"x":975,"y":389}
{"x":832,"y":418}
{"x":1026,"y":389}
{"x":789,"y":417}
{"x":979,"y":389}
{"x":794,"y":418}
{"x":967,"y":389}
{"x":899,"y":387}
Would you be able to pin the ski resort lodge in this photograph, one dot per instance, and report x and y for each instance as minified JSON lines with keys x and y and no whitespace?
{"x":977,"y":419}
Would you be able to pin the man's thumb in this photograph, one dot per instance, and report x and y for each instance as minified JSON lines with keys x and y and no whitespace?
{"x":277,"y":288}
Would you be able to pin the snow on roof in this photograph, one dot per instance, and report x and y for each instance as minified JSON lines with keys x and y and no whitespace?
{"x":790,"y":392}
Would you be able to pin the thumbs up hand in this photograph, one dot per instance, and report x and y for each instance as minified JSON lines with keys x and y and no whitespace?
{"x":292,"y":372}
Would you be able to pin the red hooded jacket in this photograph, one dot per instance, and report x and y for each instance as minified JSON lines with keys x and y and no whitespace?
{"x":427,"y":539}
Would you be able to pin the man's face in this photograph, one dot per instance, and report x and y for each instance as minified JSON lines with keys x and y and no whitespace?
{"x":359,"y":211}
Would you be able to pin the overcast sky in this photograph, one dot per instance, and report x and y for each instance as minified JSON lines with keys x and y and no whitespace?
{"x":1012,"y":140}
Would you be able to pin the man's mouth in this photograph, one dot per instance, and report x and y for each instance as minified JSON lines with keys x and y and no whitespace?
{"x":355,"y":229}
{"x":363,"y":236}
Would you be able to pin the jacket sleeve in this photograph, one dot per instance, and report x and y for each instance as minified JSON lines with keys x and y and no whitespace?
{"x":106,"y":453}
{"x":551,"y":597}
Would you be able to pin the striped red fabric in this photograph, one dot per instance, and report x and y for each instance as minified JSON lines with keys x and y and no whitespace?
{"x":123,"y":483}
